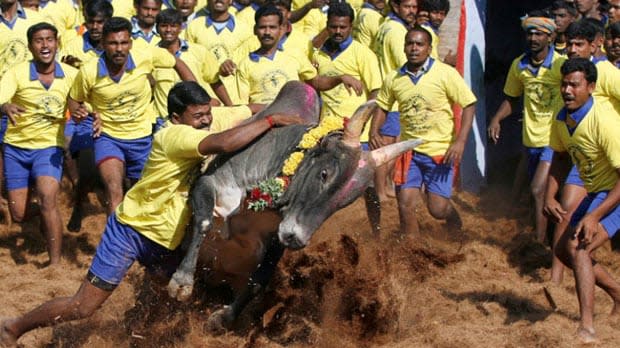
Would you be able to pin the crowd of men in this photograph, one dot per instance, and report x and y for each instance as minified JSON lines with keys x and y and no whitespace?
{"x":142,"y":91}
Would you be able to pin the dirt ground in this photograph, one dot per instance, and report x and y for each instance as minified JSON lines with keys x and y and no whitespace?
{"x":347,"y":289}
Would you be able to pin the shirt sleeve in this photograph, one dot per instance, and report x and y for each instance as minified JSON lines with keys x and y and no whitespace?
{"x":555,"y":139}
{"x":80,"y":90}
{"x":369,"y":70}
{"x":242,"y":82}
{"x":182,"y":141}
{"x":608,"y":139}
{"x":306,"y":70}
{"x":385,"y":98}
{"x":9,"y":86}
{"x":161,"y":58}
{"x":513,"y":86}
{"x":210,"y":67}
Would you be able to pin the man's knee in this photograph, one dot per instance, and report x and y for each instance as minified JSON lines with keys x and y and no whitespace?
{"x":439,"y":207}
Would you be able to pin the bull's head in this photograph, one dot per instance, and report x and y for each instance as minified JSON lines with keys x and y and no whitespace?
{"x":331,"y":176}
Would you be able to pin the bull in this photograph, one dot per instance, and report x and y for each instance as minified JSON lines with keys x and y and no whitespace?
{"x":332,"y":175}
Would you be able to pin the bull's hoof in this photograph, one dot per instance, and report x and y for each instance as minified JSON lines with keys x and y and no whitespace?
{"x":180,"y":286}
{"x":220,"y":321}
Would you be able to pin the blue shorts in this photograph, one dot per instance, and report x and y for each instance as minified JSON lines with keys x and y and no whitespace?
{"x":535,"y":155}
{"x":22,"y":166}
{"x":391,"y":127}
{"x":610,"y":222}
{"x":573,"y":177}
{"x":437,"y":178}
{"x":4,"y":123}
{"x":119,"y":247}
{"x":365,"y":147}
{"x":81,"y":134}
{"x":133,"y":153}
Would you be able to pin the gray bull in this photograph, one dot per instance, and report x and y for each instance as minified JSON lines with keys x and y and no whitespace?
{"x":332,"y":175}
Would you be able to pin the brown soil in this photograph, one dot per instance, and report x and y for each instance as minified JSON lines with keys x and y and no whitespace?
{"x":347,"y":289}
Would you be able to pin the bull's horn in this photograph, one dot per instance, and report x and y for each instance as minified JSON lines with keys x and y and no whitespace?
{"x":355,"y":126}
{"x":387,"y":153}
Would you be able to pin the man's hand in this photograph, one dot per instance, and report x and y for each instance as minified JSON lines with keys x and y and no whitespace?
{"x":318,"y":3}
{"x":586,"y":229}
{"x":454,"y":153}
{"x":376,"y":141}
{"x":71,"y":60}
{"x":12,"y":111}
{"x":97,"y":125}
{"x":80,"y":114}
{"x":494,"y":130}
{"x":228,"y":68}
{"x":554,"y":210}
{"x":351,"y":82}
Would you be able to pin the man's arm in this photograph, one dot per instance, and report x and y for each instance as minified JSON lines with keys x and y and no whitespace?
{"x":378,"y":119}
{"x":325,"y":83}
{"x":456,"y":149}
{"x":508,"y":106}
{"x":236,"y":138}
{"x":560,"y":165}
{"x":183,"y":70}
{"x":222,"y":94}
{"x":300,"y":13}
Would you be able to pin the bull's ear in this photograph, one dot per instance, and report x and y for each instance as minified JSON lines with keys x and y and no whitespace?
{"x":331,"y":140}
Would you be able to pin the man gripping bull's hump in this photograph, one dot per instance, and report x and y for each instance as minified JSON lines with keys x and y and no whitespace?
{"x":149,"y":224}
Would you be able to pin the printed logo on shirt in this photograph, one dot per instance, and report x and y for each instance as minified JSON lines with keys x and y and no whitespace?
{"x":15,"y":51}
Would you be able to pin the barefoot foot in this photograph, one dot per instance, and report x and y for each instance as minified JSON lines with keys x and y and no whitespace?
{"x":7,"y":339}
{"x":586,"y":336}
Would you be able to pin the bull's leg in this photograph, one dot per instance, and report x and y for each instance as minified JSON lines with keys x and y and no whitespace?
{"x":203,"y":201}
{"x":224,"y":317}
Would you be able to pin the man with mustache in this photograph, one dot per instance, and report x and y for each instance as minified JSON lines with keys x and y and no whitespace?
{"x":261,"y":75}
{"x":535,"y":75}
{"x":586,"y":131}
{"x":341,"y":55}
{"x":34,"y":96}
{"x":151,"y":221}
{"x":200,"y":61}
{"x":143,"y":32}
{"x":425,"y":90}
{"x":116,"y":86}
{"x":582,"y":43}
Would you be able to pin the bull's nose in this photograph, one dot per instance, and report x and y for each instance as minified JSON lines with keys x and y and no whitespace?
{"x":291,"y":241}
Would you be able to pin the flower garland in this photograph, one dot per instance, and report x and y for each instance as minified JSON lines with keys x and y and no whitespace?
{"x":268,"y":191}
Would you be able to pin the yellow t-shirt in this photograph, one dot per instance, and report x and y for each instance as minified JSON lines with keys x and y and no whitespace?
{"x":541,"y":96}
{"x":228,"y":43}
{"x":594,"y":146}
{"x":80,"y":48}
{"x":123,"y":8}
{"x":389,"y":45}
{"x":246,"y":15}
{"x":66,"y":15}
{"x":426,"y":106}
{"x":42,"y":123}
{"x":156,"y":206}
{"x":357,"y":61}
{"x":366,"y":25}
{"x":13,"y":42}
{"x":199,"y":60}
{"x":608,"y":84}
{"x":125,"y":106}
{"x":260,"y":78}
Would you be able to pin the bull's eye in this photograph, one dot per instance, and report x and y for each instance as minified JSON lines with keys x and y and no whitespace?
{"x":323,"y":175}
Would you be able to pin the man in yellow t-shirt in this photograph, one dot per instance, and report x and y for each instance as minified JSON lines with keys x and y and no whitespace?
{"x":342,"y":55}
{"x":117,"y":88}
{"x":586,"y":131}
{"x":368,"y":21}
{"x":151,"y":222}
{"x":262,"y":74}
{"x":200,"y":61}
{"x":425,"y":90}
{"x":144,"y":32}
{"x":536,"y":76}
{"x":34,"y":95}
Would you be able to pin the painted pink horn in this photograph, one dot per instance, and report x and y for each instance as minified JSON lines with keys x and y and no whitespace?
{"x":387,"y":153}
{"x":355,"y":126}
